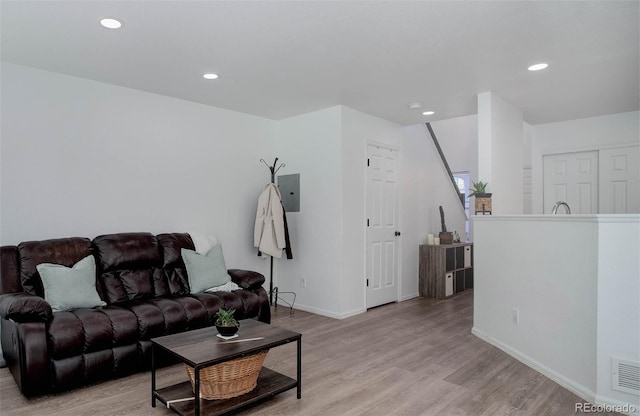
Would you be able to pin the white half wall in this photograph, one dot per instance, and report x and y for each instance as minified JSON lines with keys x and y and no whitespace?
{"x":618,"y":302}
{"x":84,"y":158}
{"x":574,"y":281}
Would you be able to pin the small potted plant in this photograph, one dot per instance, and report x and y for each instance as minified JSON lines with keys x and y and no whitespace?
{"x":226,"y":323}
{"x":483,"y":198}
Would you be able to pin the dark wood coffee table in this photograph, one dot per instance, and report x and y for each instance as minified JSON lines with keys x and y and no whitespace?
{"x":201,"y":348}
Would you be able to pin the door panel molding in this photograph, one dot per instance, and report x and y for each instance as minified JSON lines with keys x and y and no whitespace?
{"x":382,"y":211}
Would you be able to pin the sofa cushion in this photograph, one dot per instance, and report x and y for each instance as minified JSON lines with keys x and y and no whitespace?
{"x":63,"y":251}
{"x":194,"y":310}
{"x":65,"y":335}
{"x":149,"y":317}
{"x":124,"y":325}
{"x":214,"y":301}
{"x":172,"y":278}
{"x":206,"y":271}
{"x":175,"y":317}
{"x":96,"y":328}
{"x":126,"y":263}
{"x":67,"y":288}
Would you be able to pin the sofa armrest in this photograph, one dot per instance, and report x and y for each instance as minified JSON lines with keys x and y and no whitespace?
{"x":246,"y":279}
{"x":20,"y":307}
{"x":24,"y":346}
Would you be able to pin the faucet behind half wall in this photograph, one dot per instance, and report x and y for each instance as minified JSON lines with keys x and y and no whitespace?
{"x":558,"y":204}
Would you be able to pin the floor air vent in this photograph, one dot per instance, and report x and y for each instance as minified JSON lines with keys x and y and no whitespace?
{"x":626,"y":375}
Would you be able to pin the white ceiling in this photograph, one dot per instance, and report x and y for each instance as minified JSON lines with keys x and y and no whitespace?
{"x":277,"y":59}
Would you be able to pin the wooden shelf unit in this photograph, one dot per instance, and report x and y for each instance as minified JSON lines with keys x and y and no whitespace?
{"x":445,"y":270}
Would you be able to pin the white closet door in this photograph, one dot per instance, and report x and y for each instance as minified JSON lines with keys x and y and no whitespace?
{"x":620,"y":180}
{"x":572,"y":178}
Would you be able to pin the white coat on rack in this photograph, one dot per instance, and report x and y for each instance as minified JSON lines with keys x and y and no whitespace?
{"x":268,"y":233}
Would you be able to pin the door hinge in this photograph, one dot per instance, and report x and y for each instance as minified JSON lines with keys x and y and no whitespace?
{"x":367,"y":282}
{"x":367,"y":222}
{"x":367,"y":162}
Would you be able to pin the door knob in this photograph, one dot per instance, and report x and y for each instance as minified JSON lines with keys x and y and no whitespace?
{"x":397,"y":233}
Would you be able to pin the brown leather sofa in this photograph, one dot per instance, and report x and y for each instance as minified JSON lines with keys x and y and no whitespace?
{"x":143,"y":280}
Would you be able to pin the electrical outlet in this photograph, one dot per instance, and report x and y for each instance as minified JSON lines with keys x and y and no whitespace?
{"x":303,"y":282}
{"x":515,"y":316}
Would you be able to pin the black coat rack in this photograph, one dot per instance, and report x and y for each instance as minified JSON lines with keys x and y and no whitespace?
{"x":273,"y":170}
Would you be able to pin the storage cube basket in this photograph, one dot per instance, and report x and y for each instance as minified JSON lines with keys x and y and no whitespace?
{"x":229,"y":379}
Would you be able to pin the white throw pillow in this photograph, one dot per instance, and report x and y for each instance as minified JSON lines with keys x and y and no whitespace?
{"x":206,"y":271}
{"x":67,"y":288}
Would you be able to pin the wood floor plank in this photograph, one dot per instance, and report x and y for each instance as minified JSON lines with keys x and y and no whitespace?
{"x":416,"y":357}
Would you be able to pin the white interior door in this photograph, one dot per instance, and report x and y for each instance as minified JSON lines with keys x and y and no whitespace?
{"x":382,"y":235}
{"x":620,"y":180}
{"x":572,"y":178}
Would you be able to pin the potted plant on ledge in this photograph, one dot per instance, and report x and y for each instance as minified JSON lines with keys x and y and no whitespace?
{"x":483,"y":198}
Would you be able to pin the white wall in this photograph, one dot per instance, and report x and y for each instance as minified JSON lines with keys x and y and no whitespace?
{"x":83,"y":158}
{"x":458,"y":138}
{"x":426,"y":187}
{"x":429,"y":183}
{"x":310,"y":144}
{"x":500,"y":144}
{"x":592,"y":133}
{"x":358,"y":129}
{"x":328,"y":149}
{"x":575,"y":281}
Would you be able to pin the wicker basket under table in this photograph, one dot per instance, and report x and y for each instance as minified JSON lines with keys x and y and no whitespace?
{"x":229,"y":379}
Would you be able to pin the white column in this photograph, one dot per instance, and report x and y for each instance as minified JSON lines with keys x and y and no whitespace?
{"x":500,"y":150}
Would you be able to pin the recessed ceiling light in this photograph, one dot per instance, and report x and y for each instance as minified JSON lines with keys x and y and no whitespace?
{"x":414,"y":106}
{"x":210,"y":76}
{"x":538,"y":67}
{"x":111,"y":23}
{"x":428,"y":113}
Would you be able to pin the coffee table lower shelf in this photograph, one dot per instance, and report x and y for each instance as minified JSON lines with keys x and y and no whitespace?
{"x":270,"y":383}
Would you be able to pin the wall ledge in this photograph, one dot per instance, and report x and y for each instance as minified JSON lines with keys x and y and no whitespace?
{"x":588,"y":218}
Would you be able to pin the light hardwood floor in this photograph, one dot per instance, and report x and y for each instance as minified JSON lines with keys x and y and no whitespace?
{"x":416,"y":357}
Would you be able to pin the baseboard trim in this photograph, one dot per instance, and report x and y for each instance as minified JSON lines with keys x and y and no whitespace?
{"x":571,"y":385}
{"x":565,"y":382}
{"x":411,"y":296}
{"x":328,"y":314}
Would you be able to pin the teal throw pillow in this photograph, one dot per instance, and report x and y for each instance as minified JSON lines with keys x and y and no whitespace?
{"x":205,"y":272}
{"x":67,"y":288}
